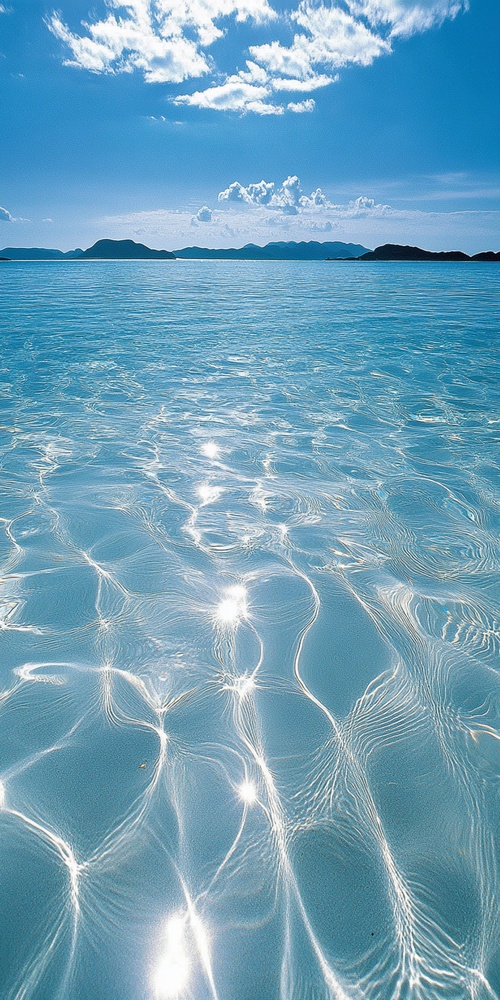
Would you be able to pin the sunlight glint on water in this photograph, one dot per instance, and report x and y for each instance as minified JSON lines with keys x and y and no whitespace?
{"x":250,"y":624}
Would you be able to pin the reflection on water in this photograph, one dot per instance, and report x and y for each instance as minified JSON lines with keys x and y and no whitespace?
{"x":250,"y":623}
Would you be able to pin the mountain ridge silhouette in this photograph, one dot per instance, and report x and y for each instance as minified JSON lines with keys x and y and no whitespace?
{"x":281,"y":250}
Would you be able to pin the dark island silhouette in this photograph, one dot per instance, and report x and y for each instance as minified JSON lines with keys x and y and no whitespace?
{"x":38,"y":253}
{"x":102,"y":250}
{"x":128,"y":250}
{"x":312,"y":250}
{"x":124,"y":250}
{"x":393,"y":251}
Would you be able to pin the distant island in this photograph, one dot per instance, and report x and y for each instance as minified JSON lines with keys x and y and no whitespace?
{"x":102,"y":250}
{"x":393,"y":251}
{"x":128,"y":250}
{"x":38,"y":253}
{"x":124,"y":250}
{"x":311,"y":250}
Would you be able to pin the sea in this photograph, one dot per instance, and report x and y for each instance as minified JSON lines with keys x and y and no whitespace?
{"x":249,"y":626}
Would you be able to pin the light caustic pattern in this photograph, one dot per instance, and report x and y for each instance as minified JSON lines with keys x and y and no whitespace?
{"x":250,"y":627}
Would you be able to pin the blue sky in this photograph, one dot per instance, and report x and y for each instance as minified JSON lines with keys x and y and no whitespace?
{"x":219,"y":122}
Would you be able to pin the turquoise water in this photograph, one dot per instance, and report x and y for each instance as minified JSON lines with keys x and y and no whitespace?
{"x":249,"y":734}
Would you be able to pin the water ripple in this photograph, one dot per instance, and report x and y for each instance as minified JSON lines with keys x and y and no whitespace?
{"x":249,"y":548}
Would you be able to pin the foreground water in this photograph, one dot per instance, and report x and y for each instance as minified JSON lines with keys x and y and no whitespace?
{"x":250,"y":622}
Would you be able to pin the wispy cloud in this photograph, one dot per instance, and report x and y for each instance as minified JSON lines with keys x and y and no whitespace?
{"x":405,"y":17}
{"x":323,"y":227}
{"x":164,"y":40}
{"x":457,"y":185}
{"x":236,"y":94}
{"x":5,"y":216}
{"x":168,"y":42}
{"x":330,"y":38}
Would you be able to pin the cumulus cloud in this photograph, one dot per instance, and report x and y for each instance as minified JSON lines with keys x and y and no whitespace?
{"x":167,"y":41}
{"x":367,"y":206}
{"x":204,"y":214}
{"x":5,"y":216}
{"x":255,"y":194}
{"x":288,"y":198}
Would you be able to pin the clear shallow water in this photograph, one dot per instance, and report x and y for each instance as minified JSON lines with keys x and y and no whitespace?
{"x":249,"y":730}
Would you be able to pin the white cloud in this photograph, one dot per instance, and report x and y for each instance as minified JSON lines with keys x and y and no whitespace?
{"x":331,"y":38}
{"x":323,"y":227}
{"x":299,"y":107}
{"x":406,"y":17}
{"x":167,"y":41}
{"x":255,"y":194}
{"x":288,"y":198}
{"x":367,"y":206}
{"x":204,"y":214}
{"x":233,"y":95}
{"x":120,"y":45}
{"x":313,"y":82}
{"x":252,"y":89}
{"x":162,"y":38}
{"x":5,"y":216}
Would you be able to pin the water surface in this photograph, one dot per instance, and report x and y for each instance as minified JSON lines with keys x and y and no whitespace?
{"x":249,"y":732}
